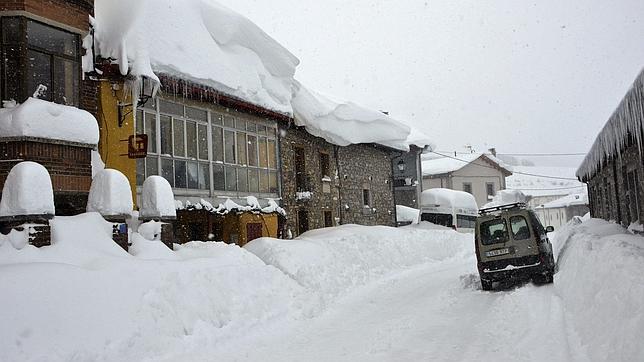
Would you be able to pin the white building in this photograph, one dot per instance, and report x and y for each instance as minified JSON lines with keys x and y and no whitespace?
{"x":480,"y":174}
{"x":557,"y":213}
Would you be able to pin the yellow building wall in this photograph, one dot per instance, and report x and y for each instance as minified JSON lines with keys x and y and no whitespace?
{"x":113,"y":143}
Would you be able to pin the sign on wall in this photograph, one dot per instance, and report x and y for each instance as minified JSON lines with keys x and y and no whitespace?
{"x":137,"y":146}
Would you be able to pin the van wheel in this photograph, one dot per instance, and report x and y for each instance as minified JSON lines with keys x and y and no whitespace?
{"x":545,"y":278}
{"x":486,"y":284}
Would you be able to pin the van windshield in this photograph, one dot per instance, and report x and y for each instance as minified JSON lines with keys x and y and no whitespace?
{"x":494,"y":231}
{"x":438,"y":219}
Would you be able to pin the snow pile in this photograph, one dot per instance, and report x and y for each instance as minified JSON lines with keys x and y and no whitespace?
{"x":85,"y":299}
{"x":43,"y":119}
{"x":407,"y":214}
{"x":197,"y":40}
{"x":27,"y":191}
{"x":448,"y":201}
{"x":601,"y":283}
{"x":625,"y":121}
{"x":110,"y":194}
{"x":442,"y":164}
{"x":332,"y":261}
{"x":252,"y":205}
{"x":506,"y":197}
{"x":527,"y":179}
{"x":157,"y":199}
{"x":346,"y":123}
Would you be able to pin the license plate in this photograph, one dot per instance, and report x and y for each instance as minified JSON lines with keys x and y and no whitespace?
{"x":497,"y":252}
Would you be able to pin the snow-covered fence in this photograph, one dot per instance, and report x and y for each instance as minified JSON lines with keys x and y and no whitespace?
{"x":157,"y":205}
{"x":110,"y":196}
{"x":28,"y":203}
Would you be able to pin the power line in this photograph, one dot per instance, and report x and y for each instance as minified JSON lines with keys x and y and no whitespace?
{"x":514,"y":172}
{"x":551,"y":189}
{"x":542,"y":154}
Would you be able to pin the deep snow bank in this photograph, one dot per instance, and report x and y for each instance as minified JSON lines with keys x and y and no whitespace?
{"x":85,"y":298}
{"x":332,"y":261}
{"x":601,"y":283}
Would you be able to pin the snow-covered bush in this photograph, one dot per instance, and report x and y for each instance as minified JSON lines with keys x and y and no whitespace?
{"x":110,"y":194}
{"x":27,"y":191}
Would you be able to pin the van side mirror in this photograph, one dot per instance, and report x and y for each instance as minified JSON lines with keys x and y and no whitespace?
{"x":550,"y":229}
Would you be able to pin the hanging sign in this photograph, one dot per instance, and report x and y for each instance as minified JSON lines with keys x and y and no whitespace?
{"x":137,"y":146}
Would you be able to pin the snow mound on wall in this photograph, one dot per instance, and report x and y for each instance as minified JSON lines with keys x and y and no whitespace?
{"x":27,"y":191}
{"x":198,"y":40}
{"x":43,"y":119}
{"x":110,"y":194}
{"x":346,"y":123}
{"x":407,"y":214}
{"x":601,"y":282}
{"x":332,"y":261}
{"x":157,"y":199}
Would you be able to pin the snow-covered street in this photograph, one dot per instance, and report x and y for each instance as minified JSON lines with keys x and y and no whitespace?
{"x":351,"y":293}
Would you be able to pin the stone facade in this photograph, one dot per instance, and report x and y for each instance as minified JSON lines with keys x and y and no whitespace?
{"x":325,"y":185}
{"x":408,"y":178}
{"x":70,"y":13}
{"x":615,"y":191}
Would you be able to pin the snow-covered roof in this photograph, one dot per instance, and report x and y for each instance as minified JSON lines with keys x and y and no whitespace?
{"x":561,"y":182}
{"x":344,"y":123}
{"x":197,"y":40}
{"x":627,"y":119}
{"x":566,"y":201}
{"x":506,"y":197}
{"x":442,"y":164}
{"x":448,"y":201}
{"x":27,"y":191}
{"x":43,"y":119}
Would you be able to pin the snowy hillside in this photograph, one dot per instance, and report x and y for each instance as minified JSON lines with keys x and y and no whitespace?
{"x":565,"y":182}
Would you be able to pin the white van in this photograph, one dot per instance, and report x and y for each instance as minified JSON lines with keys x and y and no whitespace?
{"x":455,"y":209}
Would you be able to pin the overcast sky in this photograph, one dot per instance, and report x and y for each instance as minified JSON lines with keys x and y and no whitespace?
{"x":522,"y":76}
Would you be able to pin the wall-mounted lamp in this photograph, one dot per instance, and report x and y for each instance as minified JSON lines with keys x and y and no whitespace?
{"x":401,"y":166}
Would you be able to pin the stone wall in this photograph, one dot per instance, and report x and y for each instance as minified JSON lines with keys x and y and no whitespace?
{"x":366,"y":166}
{"x":72,"y":13}
{"x":323,"y":193}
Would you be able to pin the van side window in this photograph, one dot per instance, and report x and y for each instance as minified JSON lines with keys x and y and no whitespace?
{"x":536,"y":225}
{"x":465,"y":221}
{"x":520,"y":229}
{"x":494,"y":231}
{"x":438,"y":219}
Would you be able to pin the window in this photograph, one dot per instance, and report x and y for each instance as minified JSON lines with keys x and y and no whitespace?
{"x":465,"y":221}
{"x":520,"y":229}
{"x":300,"y":171}
{"x":494,"y":231}
{"x":467,"y":187}
{"x":235,"y":158}
{"x":35,"y":53}
{"x":324,"y":165}
{"x":489,"y":187}
{"x":366,"y":197}
{"x":438,"y":219}
{"x":328,"y":219}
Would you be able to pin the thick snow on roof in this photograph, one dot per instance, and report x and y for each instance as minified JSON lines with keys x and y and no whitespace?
{"x":27,"y":191}
{"x":536,"y":186}
{"x":110,"y":194}
{"x":345,"y":123}
{"x":570,"y":200}
{"x":627,"y":119}
{"x":43,"y":119}
{"x":448,"y":201}
{"x":440,"y":164}
{"x":198,"y":40}
{"x":157,"y":199}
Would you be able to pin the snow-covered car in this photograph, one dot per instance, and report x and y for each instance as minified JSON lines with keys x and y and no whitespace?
{"x":454,"y":209}
{"x":512,"y":243}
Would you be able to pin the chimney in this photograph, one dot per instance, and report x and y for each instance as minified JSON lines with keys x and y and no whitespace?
{"x":492,"y":151}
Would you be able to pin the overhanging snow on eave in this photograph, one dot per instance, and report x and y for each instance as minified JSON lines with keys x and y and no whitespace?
{"x":626,"y":120}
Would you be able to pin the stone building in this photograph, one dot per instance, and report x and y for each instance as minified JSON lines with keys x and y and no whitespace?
{"x":407,"y":170}
{"x":41,"y":47}
{"x":613,"y":168}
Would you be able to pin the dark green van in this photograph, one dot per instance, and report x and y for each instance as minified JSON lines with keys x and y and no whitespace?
{"x":512,"y":243}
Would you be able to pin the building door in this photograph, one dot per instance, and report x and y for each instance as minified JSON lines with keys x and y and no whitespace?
{"x":328,"y":219}
{"x":302,"y":221}
{"x":253,"y":231}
